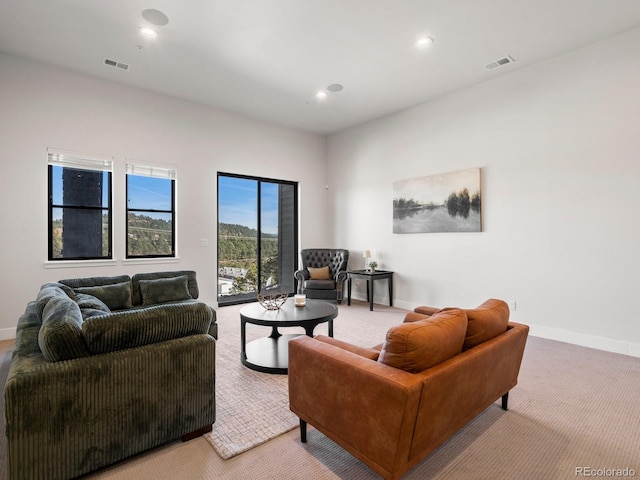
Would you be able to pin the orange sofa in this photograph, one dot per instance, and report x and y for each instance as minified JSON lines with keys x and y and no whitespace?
{"x":393,"y":404}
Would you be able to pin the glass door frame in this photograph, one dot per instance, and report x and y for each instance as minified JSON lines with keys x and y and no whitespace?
{"x":251,"y":296}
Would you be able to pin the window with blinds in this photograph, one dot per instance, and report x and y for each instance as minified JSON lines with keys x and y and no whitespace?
{"x":80,"y":216}
{"x":151,"y":212}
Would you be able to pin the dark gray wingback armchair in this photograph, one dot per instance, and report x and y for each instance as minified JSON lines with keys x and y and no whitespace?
{"x":327,"y":289}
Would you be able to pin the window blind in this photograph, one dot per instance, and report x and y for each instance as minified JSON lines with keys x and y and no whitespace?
{"x":156,"y":171}
{"x":80,"y":162}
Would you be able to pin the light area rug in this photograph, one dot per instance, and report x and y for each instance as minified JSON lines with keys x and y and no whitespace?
{"x":253,"y":407}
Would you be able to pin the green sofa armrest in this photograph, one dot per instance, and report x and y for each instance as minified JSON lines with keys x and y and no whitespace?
{"x":68,"y":418}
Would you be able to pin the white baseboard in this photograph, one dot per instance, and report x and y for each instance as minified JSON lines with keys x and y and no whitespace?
{"x":591,"y":341}
{"x":7,"y":333}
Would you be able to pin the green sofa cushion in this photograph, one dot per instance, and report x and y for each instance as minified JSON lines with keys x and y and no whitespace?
{"x":163,"y":290}
{"x":49,"y":291}
{"x":116,"y":296}
{"x":138,"y":277}
{"x":94,"y":281}
{"x":60,"y":337}
{"x":136,"y":327}
{"x":84,"y":300}
{"x":91,"y":306}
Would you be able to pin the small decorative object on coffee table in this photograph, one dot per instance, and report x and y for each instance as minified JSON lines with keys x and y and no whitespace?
{"x":301,"y":299}
{"x":273,"y":300}
{"x":271,"y":354}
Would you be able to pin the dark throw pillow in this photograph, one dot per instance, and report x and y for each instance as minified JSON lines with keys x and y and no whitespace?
{"x":60,"y":337}
{"x":116,"y":296}
{"x":91,"y":306}
{"x":162,"y":290}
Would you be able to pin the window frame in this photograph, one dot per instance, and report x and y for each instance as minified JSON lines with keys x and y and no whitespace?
{"x":167,"y":172}
{"x":224,"y":300}
{"x":78,"y":162}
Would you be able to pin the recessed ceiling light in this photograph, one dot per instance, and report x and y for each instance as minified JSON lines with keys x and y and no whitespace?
{"x":335,"y":87}
{"x":155,"y":17}
{"x":321,"y":95}
{"x":148,"y":32}
{"x":424,"y":42}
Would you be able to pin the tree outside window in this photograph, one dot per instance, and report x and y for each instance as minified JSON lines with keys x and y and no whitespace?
{"x":80,"y":226}
{"x":150,"y":212}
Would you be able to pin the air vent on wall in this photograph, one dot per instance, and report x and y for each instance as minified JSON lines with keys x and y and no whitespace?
{"x":115,"y":64}
{"x":500,"y":62}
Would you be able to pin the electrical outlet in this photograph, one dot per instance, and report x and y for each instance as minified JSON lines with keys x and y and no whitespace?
{"x":204,"y":242}
{"x":512,"y":305}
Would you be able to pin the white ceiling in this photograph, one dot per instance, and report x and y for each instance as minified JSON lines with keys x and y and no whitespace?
{"x":267,"y":58}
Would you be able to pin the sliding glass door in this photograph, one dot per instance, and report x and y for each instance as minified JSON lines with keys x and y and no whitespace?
{"x":257,"y":237}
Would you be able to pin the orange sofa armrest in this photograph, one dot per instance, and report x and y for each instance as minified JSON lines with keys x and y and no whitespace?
{"x":366,"y":407}
{"x":425,"y":310}
{"x":370,"y":353}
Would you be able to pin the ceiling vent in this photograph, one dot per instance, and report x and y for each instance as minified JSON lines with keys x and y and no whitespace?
{"x":115,"y":64}
{"x":500,"y":62}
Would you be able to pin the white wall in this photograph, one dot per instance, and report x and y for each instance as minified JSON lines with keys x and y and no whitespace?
{"x":559,"y":149}
{"x":43,"y":107}
{"x":558,"y":144}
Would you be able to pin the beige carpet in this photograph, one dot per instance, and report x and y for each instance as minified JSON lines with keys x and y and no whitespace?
{"x":573,"y":408}
{"x":253,"y":407}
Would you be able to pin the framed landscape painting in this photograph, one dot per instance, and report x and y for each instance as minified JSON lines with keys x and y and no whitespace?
{"x":449,"y":202}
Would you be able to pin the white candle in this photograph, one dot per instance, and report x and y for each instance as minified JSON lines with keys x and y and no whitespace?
{"x":301,"y":299}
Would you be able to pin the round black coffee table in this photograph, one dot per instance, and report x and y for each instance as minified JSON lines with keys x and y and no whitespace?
{"x":271,"y":354}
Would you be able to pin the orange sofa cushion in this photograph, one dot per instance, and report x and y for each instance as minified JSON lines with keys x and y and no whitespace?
{"x":486,"y":322}
{"x":416,"y":346}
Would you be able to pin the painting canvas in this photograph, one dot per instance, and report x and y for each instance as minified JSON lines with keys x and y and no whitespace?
{"x":449,"y":202}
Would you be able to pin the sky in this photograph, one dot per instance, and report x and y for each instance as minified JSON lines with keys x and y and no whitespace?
{"x":148,"y":193}
{"x":57,"y":187}
{"x":237,"y":197}
{"x":238,"y":203}
{"x":436,"y":188}
{"x":57,"y":191}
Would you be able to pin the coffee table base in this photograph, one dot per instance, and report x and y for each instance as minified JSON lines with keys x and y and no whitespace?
{"x":268,"y":354}
{"x":271,"y":354}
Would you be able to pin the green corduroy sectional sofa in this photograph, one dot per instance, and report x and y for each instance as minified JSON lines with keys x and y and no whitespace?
{"x":107,"y":367}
